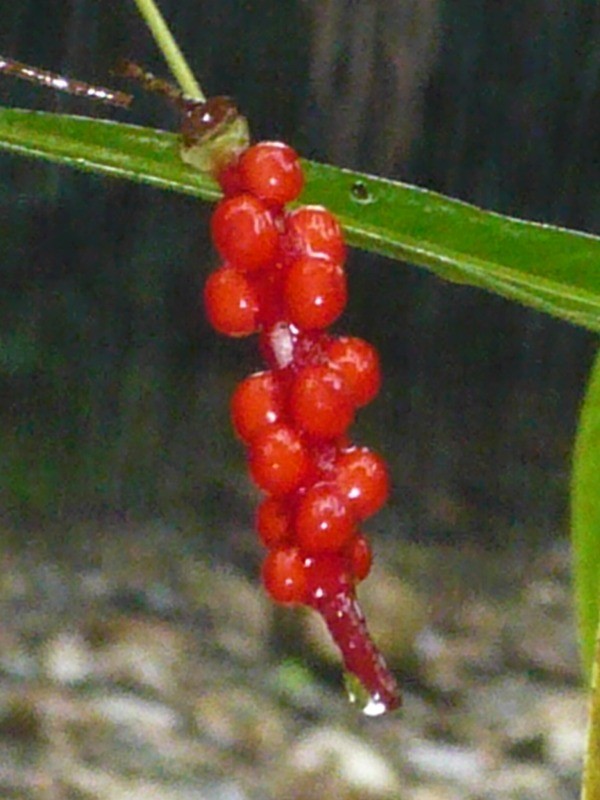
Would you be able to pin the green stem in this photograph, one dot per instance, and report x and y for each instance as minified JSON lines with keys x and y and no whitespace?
{"x":170,"y":49}
{"x":590,"y":789}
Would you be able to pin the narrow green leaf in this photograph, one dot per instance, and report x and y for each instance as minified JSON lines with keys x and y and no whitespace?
{"x":585,"y":517}
{"x":108,"y":148}
{"x":548,"y":268}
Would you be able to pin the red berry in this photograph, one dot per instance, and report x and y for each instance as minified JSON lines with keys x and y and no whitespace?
{"x":315,"y":292}
{"x":363,"y":478}
{"x":228,"y":179}
{"x":361,"y":557}
{"x":271,"y":171}
{"x":256,"y":402}
{"x":313,"y":231}
{"x":358,"y":362}
{"x":244,"y":232}
{"x":319,"y":402}
{"x":278,"y":460}
{"x":273,"y":522}
{"x":231,"y":302}
{"x":323,"y":522}
{"x":284,"y":575}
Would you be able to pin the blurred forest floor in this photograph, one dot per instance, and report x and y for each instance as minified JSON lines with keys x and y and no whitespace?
{"x":134,"y":664}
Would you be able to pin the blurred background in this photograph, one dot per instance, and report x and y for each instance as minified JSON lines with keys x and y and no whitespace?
{"x":116,"y":443}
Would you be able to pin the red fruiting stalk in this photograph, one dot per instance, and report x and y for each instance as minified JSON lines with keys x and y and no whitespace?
{"x":284,"y":575}
{"x":327,"y":575}
{"x":278,"y":460}
{"x":284,"y":276}
{"x":244,"y":233}
{"x":257,"y":402}
{"x":330,"y":591}
{"x":269,"y":287}
{"x":358,"y":362}
{"x":272,"y":172}
{"x":347,"y":625}
{"x":363,"y":478}
{"x":315,"y":292}
{"x":231,"y":302}
{"x":313,"y":231}
{"x":319,"y":404}
{"x":323,"y":522}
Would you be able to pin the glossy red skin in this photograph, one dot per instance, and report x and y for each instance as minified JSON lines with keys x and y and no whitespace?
{"x":245,"y":233}
{"x":319,"y":404}
{"x":323,"y":521}
{"x":363,"y":478}
{"x":278,"y":460}
{"x":313,"y":231}
{"x":231,"y":302}
{"x":315,"y":292}
{"x":274,"y":522}
{"x":284,"y":575}
{"x":330,"y":591}
{"x":348,"y":628}
{"x":358,"y":361}
{"x":272,"y":172}
{"x":257,"y":402}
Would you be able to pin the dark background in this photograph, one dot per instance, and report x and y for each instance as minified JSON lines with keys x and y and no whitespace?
{"x":113,"y":388}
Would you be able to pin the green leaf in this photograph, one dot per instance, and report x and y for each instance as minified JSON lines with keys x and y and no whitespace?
{"x":548,"y":268}
{"x":585,"y":517}
{"x":104,"y":147}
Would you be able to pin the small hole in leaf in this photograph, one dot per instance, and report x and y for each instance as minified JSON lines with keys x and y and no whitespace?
{"x":361,"y":193}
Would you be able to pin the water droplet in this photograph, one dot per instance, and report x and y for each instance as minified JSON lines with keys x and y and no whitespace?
{"x":371,"y":705}
{"x":375,"y":707}
{"x":360,"y":192}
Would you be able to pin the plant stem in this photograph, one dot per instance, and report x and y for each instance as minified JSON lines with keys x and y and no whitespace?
{"x":590,"y":789}
{"x":170,"y":49}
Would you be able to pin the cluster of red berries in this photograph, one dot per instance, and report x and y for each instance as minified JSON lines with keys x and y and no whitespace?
{"x":283,"y":278}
